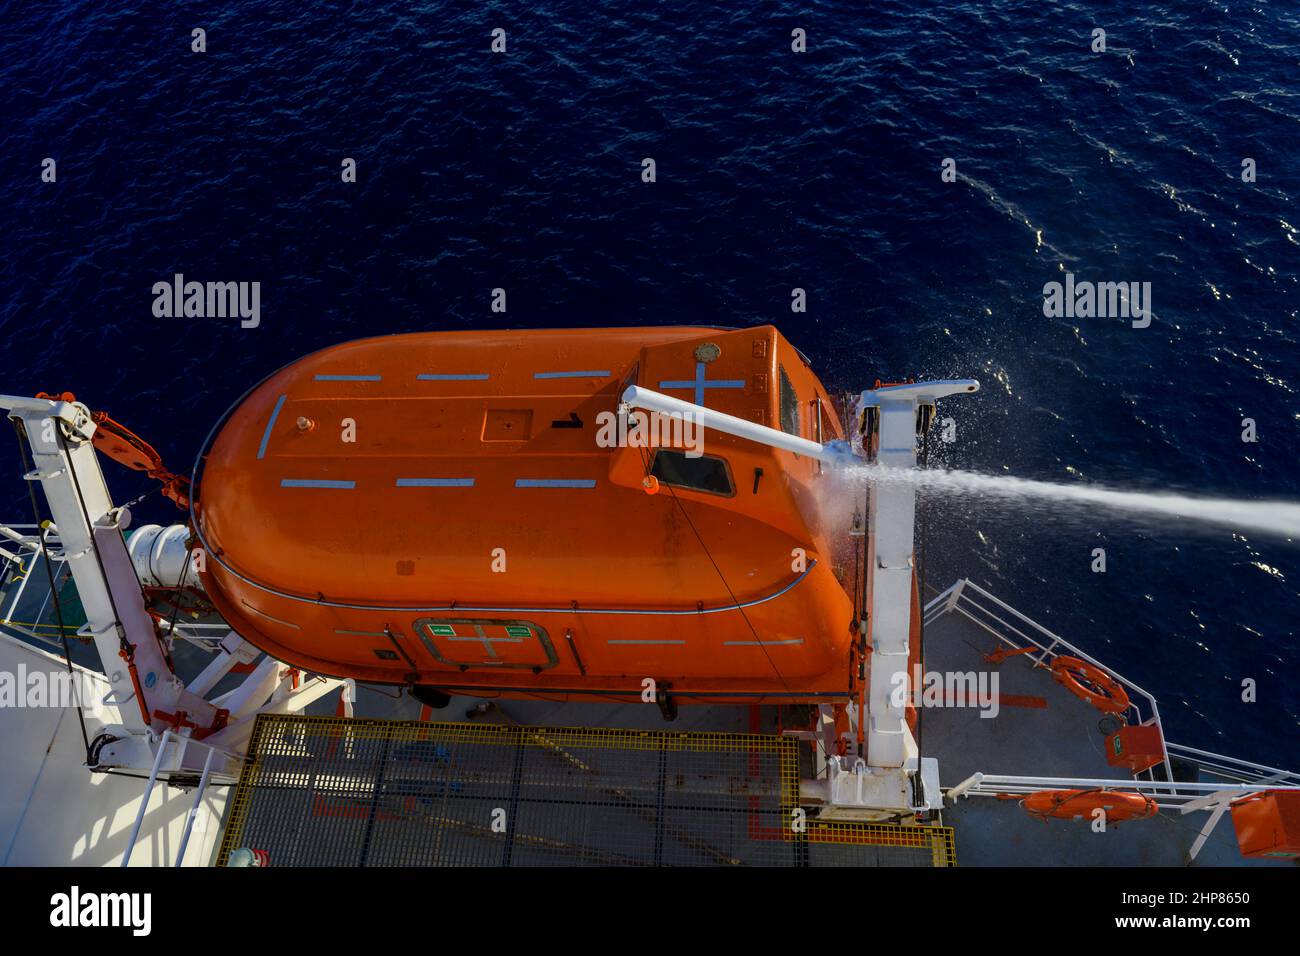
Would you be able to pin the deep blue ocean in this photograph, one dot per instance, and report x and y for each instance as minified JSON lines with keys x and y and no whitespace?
{"x":775,"y":170}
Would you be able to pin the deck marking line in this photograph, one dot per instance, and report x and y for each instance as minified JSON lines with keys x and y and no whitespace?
{"x":1004,"y":700}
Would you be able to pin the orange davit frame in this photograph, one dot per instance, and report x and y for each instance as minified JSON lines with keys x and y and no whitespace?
{"x":439,"y":509}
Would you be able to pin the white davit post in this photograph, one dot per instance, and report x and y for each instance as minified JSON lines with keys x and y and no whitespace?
{"x":890,"y":744}
{"x":64,"y":459}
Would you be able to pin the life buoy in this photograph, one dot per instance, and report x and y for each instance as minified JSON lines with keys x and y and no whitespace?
{"x":1073,"y":804}
{"x":1091,"y":683}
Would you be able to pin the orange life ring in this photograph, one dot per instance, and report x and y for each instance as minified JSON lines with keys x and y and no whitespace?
{"x":1091,"y":683}
{"x":1073,"y":804}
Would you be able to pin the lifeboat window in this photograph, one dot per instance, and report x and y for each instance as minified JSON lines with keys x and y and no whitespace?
{"x":706,"y":473}
{"x":789,"y":404}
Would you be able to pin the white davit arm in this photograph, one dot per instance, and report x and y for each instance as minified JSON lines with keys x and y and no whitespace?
{"x":653,"y":401}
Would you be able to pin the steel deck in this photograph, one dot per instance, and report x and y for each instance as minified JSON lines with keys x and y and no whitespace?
{"x":321,"y":791}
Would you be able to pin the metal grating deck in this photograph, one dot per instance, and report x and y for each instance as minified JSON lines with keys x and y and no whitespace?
{"x":323,"y":791}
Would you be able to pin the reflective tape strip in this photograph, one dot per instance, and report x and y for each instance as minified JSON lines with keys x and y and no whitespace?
{"x":452,"y":377}
{"x":315,"y":483}
{"x":349,"y":378}
{"x":585,"y":373}
{"x":555,"y":482}
{"x":435,"y":482}
{"x":713,"y":383}
{"x":266,"y":435}
{"x":797,"y":640}
{"x":269,"y":617}
{"x":645,"y":642}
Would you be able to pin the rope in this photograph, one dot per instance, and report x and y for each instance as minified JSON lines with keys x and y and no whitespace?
{"x":721,"y":577}
{"x":135,"y":501}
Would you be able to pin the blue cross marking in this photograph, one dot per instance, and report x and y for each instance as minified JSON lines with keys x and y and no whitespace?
{"x":700,"y":383}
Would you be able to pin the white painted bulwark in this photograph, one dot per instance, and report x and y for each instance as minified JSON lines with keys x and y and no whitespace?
{"x":54,"y":811}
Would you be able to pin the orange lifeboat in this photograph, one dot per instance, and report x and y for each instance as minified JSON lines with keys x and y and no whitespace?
{"x":452,"y":510}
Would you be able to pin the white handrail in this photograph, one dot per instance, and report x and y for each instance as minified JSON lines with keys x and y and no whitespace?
{"x":990,"y":781}
{"x":144,"y":801}
{"x":198,"y":802}
{"x":958,"y":597}
{"x":185,"y":742}
{"x":1166,"y":797}
{"x":962,"y":598}
{"x":1224,"y":765}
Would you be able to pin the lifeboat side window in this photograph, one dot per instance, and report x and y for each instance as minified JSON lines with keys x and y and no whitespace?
{"x":706,"y":473}
{"x":789,"y":404}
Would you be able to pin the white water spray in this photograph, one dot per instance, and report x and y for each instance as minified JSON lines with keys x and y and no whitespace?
{"x":1277,"y":518}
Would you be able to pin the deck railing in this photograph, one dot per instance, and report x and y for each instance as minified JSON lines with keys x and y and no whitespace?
{"x":22,"y":555}
{"x":23,"y":576}
{"x":177,"y":755}
{"x":1166,"y":796}
{"x":1018,"y":631}
{"x":1234,"y":769}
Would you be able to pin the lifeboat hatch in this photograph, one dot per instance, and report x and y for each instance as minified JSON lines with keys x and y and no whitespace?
{"x":508,"y":424}
{"x":480,"y":642}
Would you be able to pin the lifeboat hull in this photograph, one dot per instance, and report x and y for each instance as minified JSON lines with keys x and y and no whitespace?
{"x":448,"y":510}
